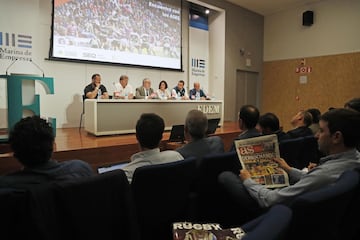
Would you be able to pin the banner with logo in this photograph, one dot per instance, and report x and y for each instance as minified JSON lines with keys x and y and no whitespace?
{"x":198,"y":51}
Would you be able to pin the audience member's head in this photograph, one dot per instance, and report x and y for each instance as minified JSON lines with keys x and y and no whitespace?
{"x":302,"y":118}
{"x":353,"y":104}
{"x":196,"y":124}
{"x":339,"y":129}
{"x":248,"y":117}
{"x":32,"y":141}
{"x":315,"y":113}
{"x":149,"y":130}
{"x":269,"y":123}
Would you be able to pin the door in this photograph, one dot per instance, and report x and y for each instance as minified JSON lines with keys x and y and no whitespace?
{"x":247,"y":89}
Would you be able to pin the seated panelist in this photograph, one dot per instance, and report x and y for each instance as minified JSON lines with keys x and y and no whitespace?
{"x":123,"y":90}
{"x":179,"y":92}
{"x":197,"y":93}
{"x":163,"y":92}
{"x":145,"y":91}
{"x":95,"y":90}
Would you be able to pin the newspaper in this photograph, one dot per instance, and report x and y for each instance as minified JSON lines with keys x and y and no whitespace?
{"x":256,"y":155}
{"x":205,"y":231}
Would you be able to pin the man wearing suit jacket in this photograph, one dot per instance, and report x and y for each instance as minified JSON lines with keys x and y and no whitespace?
{"x":199,"y":145}
{"x":145,"y":91}
{"x":248,"y":118}
{"x":301,"y":122}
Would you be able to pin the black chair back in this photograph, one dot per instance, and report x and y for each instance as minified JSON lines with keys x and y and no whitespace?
{"x":98,"y":207}
{"x":319,"y":214}
{"x":349,"y":228}
{"x":272,"y":225}
{"x":212,"y":205}
{"x":299,"y":152}
{"x":162,"y":196}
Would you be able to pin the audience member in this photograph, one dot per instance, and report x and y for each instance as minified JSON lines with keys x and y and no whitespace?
{"x":32,"y":141}
{"x":337,"y":137}
{"x":248,"y":119}
{"x":123,"y":90}
{"x":149,"y":132}
{"x":199,"y":144}
{"x":300,"y":122}
{"x":315,"y":114}
{"x":179,"y":91}
{"x":197,"y":93}
{"x":145,"y":91}
{"x":95,"y":89}
{"x":163,"y":92}
{"x":269,"y":124}
{"x":353,"y":104}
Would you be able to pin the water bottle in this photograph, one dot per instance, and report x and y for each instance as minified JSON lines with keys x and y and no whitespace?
{"x":99,"y":94}
{"x":197,"y":96}
{"x":178,"y":95}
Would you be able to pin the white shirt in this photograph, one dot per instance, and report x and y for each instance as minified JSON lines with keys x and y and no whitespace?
{"x":150,"y":157}
{"x":123,"y":91}
{"x":163,"y":94}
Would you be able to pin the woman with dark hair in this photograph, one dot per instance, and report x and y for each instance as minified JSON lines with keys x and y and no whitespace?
{"x":163,"y":92}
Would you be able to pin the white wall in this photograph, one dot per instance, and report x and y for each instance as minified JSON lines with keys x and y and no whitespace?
{"x":242,"y":29}
{"x":335,"y":30}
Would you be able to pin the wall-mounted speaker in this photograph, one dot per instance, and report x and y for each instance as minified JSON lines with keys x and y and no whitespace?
{"x":308,"y":18}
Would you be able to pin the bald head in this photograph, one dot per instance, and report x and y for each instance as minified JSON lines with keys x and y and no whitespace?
{"x":196,"y":124}
{"x":197,"y":86}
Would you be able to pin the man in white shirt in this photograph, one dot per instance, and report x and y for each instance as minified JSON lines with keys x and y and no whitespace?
{"x":123,"y":90}
{"x":149,"y":132}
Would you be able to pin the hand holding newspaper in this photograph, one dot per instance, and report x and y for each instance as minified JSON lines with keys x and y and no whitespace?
{"x":256,"y":155}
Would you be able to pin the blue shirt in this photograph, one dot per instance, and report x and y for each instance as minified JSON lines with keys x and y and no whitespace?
{"x":327,"y":172}
{"x":193,"y":93}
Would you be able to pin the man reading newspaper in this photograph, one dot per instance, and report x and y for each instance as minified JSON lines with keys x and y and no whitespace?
{"x":338,"y":136}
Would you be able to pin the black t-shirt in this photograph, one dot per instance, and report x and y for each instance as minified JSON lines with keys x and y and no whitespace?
{"x":91,"y":87}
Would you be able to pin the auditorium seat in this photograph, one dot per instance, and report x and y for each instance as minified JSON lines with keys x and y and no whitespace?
{"x":350,"y":229}
{"x":162,"y":196}
{"x":14,"y":214}
{"x":98,"y":207}
{"x":319,"y":214}
{"x":29,"y":213}
{"x":212,"y":205}
{"x":272,"y":225}
{"x":298,"y":152}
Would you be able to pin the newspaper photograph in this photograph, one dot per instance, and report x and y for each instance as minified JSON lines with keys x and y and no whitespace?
{"x":256,"y":155}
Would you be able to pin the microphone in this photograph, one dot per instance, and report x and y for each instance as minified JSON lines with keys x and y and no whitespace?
{"x":10,"y":65}
{"x":38,"y":67}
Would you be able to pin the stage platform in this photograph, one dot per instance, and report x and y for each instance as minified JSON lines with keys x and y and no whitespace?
{"x":72,"y":143}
